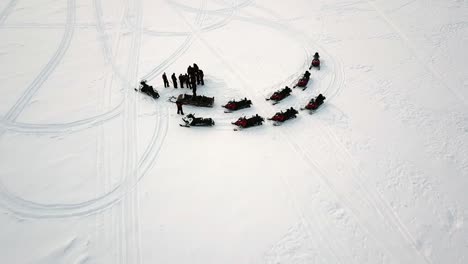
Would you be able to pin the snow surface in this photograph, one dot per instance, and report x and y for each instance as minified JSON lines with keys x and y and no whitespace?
{"x":93,"y":172}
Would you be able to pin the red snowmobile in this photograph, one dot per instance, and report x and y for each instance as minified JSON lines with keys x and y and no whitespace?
{"x":315,"y":103}
{"x":244,"y":122}
{"x":280,"y":95}
{"x":236,"y":105}
{"x":303,"y":81}
{"x":315,"y":62}
{"x":280,"y":117}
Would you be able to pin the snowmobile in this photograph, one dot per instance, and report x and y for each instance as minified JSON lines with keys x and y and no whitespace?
{"x":303,"y":81}
{"x":191,"y":120}
{"x":244,"y":122}
{"x":236,"y":105}
{"x":280,"y":117}
{"x":315,"y":103}
{"x":147,"y":89}
{"x":198,"y":100}
{"x":280,"y":95}
{"x":315,"y":62}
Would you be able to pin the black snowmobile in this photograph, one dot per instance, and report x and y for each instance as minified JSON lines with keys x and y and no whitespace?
{"x":198,"y":100}
{"x":191,"y":120}
{"x":147,"y":89}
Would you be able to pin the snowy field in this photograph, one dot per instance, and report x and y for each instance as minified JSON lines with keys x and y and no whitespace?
{"x":93,"y":172}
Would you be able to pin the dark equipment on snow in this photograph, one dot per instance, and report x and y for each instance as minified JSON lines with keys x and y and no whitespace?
{"x":198,"y":100}
{"x":283,"y":116}
{"x":244,"y":122}
{"x":315,"y":103}
{"x":148,"y":90}
{"x":236,"y":105}
{"x":280,"y":94}
{"x":191,"y":120}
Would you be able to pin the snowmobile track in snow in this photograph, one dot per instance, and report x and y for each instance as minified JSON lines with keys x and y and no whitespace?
{"x":36,"y":84}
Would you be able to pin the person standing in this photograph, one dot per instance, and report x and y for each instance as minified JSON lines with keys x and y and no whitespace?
{"x":200,"y":75}
{"x":190,"y":70}
{"x":194,"y":90}
{"x":174,"y":80}
{"x":166,"y":82}
{"x":179,"y":104}
{"x":187,"y":81}
{"x":181,"y":80}
{"x":195,"y":73}
{"x":193,"y":82}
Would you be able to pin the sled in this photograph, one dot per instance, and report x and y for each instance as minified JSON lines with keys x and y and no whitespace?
{"x":199,"y":100}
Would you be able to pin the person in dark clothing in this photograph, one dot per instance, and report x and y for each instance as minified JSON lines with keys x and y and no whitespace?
{"x":194,"y":90}
{"x":193,"y":82}
{"x":307,"y":75}
{"x":179,"y":105}
{"x":187,"y":81}
{"x":320,"y":99}
{"x":189,"y":70}
{"x":195,"y":73}
{"x":200,"y":75}
{"x":316,"y":55}
{"x":181,"y":80}
{"x":174,"y":80}
{"x":166,"y":82}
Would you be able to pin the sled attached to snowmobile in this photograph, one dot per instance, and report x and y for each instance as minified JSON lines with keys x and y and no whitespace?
{"x":191,"y":120}
{"x":198,"y":100}
{"x":280,"y":117}
{"x":236,"y":105}
{"x":280,"y":95}
{"x":244,"y":122}
{"x":315,"y":103}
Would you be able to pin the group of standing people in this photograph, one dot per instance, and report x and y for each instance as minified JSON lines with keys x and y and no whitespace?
{"x":191,"y":79}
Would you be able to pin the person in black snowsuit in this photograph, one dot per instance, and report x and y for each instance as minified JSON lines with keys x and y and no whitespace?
{"x":147,"y":89}
{"x":174,"y":80}
{"x":194,"y":90}
{"x":166,"y":82}
{"x":320,"y":98}
{"x":181,"y":80}
{"x":179,"y":105}
{"x":307,"y":75}
{"x":194,"y":86}
{"x":187,"y":81}
{"x":195,"y":73}
{"x":193,"y":82}
{"x":200,"y":75}
{"x":316,"y":55}
{"x":190,"y":70}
